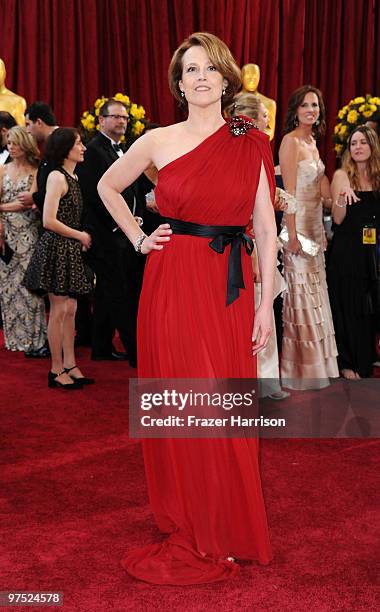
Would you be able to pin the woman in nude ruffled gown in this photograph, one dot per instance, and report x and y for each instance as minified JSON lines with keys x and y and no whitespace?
{"x":308,"y":349}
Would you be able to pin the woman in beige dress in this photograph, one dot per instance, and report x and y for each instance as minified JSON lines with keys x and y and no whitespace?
{"x":308,"y":349}
{"x":23,"y":313}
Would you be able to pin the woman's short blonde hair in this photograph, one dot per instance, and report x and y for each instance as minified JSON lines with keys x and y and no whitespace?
{"x":245,"y":104}
{"x":20,"y":137}
{"x":220,"y":56}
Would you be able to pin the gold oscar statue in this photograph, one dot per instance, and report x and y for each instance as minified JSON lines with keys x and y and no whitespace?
{"x":9,"y":101}
{"x":250,"y":75}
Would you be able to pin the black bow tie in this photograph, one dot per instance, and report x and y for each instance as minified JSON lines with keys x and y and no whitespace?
{"x":117,"y":147}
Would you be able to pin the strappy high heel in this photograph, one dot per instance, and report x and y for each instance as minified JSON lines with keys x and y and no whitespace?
{"x":83,"y":380}
{"x":54,"y":383}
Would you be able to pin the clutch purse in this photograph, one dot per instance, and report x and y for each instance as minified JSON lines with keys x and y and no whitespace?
{"x":309,"y":247}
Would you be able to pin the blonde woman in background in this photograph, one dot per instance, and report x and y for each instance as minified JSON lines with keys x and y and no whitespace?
{"x":250,"y":106}
{"x":23,"y":313}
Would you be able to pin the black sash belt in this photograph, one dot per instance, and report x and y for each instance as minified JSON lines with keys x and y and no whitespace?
{"x":222,"y":235}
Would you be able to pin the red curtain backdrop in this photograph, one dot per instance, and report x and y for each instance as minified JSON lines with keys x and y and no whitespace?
{"x":69,"y":52}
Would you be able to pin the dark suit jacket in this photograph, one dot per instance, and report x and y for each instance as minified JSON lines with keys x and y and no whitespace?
{"x":98,"y":157}
{"x":43,"y":172}
{"x":151,"y":220}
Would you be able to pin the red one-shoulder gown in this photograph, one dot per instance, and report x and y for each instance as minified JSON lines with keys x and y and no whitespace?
{"x":205,"y":493}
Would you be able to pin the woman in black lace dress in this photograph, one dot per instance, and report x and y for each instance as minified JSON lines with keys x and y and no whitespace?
{"x":57,"y":267}
{"x":352,"y":267}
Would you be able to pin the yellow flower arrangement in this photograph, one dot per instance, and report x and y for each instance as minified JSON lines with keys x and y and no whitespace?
{"x":136,"y":117}
{"x":343,"y":112}
{"x":358,"y":100}
{"x":352,"y":116}
{"x":357,"y":112}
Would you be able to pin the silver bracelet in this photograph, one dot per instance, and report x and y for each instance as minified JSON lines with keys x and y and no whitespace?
{"x":138,"y":242}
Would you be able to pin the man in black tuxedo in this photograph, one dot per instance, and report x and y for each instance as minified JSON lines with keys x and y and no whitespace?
{"x":117,"y":268}
{"x":40,"y":122}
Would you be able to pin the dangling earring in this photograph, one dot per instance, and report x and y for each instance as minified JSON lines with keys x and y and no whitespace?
{"x":182,"y":93}
{"x":224,"y":91}
{"x":317,"y":122}
{"x":296,"y":122}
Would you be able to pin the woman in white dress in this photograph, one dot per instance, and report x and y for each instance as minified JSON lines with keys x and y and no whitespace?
{"x":249,"y":105}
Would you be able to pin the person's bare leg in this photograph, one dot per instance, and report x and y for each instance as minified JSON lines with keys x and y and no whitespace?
{"x":69,"y":333}
{"x":55,"y":336}
{"x":69,"y":338}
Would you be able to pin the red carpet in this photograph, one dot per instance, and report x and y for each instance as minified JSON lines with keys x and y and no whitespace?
{"x":73,"y":502}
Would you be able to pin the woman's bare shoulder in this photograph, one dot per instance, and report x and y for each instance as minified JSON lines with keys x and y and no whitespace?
{"x":289,"y":148}
{"x":164,"y":134}
{"x":56,"y":183}
{"x":57,"y":177}
{"x":290,"y":141}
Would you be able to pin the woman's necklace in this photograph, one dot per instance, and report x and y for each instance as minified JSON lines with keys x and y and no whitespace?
{"x":307,"y":140}
{"x":18,"y":172}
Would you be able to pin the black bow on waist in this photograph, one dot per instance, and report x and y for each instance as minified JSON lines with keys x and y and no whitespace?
{"x":222,"y":235}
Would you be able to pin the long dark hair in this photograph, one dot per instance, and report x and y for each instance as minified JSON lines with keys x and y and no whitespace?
{"x":295,"y":102}
{"x":373,"y":164}
{"x":59,"y":145}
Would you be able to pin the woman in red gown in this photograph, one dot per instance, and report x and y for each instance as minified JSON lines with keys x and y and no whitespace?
{"x":205,"y":493}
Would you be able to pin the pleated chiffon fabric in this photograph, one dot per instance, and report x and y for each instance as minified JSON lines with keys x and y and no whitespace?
{"x":308,"y":348}
{"x":205,"y":493}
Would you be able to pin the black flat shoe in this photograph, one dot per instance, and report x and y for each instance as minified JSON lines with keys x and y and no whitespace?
{"x":54,"y":383}
{"x":82,"y":380}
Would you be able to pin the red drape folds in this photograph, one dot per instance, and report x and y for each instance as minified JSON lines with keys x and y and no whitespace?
{"x":69,"y":52}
